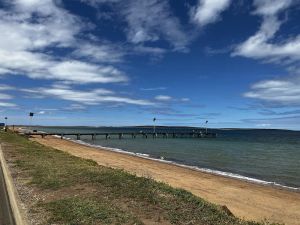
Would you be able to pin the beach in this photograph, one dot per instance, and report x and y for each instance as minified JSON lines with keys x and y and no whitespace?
{"x":246,"y":200}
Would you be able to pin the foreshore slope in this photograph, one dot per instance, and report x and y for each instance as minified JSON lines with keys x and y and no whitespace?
{"x":246,"y":200}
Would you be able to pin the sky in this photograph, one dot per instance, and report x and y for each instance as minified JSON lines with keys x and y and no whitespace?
{"x":124,"y":62}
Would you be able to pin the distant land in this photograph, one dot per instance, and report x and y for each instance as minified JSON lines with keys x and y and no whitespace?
{"x":159,"y":126}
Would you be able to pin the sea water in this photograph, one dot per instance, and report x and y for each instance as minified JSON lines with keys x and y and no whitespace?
{"x":259,"y":155}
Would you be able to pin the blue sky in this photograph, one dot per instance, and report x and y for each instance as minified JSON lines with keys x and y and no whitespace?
{"x":116,"y":62}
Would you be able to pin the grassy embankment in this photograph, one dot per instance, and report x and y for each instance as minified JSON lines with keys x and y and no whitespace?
{"x":86,"y":193}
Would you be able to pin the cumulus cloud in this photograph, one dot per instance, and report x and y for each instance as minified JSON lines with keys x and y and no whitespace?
{"x":105,"y":52}
{"x":258,"y":47}
{"x":208,"y":11}
{"x":152,"y":20}
{"x":82,"y":72}
{"x":42,"y":66}
{"x":271,"y":7}
{"x":148,"y":22}
{"x":52,"y":25}
{"x":263,"y":45}
{"x":29,"y":27}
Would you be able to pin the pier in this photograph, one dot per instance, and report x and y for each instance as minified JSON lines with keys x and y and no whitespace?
{"x":132,"y":135}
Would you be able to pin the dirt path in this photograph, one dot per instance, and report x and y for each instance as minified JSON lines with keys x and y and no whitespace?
{"x":245,"y":200}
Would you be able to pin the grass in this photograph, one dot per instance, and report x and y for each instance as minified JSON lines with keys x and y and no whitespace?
{"x":76,"y":210}
{"x":87,"y":193}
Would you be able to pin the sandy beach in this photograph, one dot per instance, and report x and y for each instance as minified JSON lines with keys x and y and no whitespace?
{"x":245,"y":200}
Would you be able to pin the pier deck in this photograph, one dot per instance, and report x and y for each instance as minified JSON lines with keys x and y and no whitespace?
{"x":129,"y":134}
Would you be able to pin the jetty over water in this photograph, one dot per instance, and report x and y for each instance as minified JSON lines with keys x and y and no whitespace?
{"x":133,"y":135}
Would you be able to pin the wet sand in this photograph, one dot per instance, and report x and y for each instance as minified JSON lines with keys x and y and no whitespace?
{"x":245,"y":200}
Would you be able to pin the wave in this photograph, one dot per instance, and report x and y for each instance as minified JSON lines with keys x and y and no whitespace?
{"x":195,"y":168}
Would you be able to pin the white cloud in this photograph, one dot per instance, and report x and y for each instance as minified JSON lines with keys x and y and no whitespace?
{"x":5,"y":96}
{"x":263,"y":45}
{"x":260,"y":46}
{"x":167,"y":98}
{"x":271,"y":7}
{"x":208,"y":11}
{"x":29,"y":27}
{"x":185,"y":99}
{"x":75,"y":107}
{"x":149,"y":21}
{"x":90,"y":97}
{"x":263,"y":125}
{"x":41,"y":66}
{"x":52,"y":26}
{"x":96,"y":2}
{"x":153,"y":89}
{"x":279,"y":92}
{"x":6,"y":104}
{"x":4,"y":87}
{"x":163,"y":98}
{"x":24,"y":61}
{"x":82,"y":72}
{"x":105,"y":52}
{"x":152,"y":20}
{"x":149,"y":50}
{"x":278,"y":122}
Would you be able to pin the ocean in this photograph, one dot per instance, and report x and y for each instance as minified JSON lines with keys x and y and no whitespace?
{"x":257,"y":155}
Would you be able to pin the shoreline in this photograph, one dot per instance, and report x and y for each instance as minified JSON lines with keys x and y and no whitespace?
{"x":195,"y":168}
{"x":216,"y":172}
{"x":248,"y":200}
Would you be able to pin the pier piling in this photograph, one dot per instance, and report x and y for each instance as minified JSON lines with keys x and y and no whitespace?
{"x":154,"y":135}
{"x":120,"y":136}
